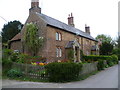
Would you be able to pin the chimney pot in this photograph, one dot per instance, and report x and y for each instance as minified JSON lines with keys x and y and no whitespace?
{"x":71,"y":20}
{"x":87,"y":29}
{"x":35,"y":6}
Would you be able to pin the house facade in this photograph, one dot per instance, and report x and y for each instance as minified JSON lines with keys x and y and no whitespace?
{"x":59,"y":37}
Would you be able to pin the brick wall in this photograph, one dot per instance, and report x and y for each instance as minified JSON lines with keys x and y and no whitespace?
{"x":66,"y":37}
{"x":16,"y":45}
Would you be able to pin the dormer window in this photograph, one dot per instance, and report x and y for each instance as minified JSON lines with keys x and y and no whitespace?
{"x":58,"y":36}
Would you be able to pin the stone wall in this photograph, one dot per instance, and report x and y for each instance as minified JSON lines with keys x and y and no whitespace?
{"x":88,"y":68}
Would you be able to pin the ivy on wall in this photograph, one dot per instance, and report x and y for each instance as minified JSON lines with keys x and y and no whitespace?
{"x":32,"y":40}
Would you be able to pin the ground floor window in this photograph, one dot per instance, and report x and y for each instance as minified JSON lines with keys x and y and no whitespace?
{"x":58,"y":52}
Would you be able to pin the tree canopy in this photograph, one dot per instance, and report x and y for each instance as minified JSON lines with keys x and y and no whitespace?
{"x":32,"y":39}
{"x":104,"y":38}
{"x":118,"y":42}
{"x":106,"y":48}
{"x":10,"y":30}
{"x":107,"y":44}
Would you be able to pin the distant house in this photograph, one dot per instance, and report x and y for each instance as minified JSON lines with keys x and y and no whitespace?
{"x":59,"y":37}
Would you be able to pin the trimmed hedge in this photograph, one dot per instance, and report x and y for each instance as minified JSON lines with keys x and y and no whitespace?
{"x":96,"y":57}
{"x":110,"y":60}
{"x":63,"y":72}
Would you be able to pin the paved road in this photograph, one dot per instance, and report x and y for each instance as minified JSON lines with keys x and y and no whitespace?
{"x":104,"y":79}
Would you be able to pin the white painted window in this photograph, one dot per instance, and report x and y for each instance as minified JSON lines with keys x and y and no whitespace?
{"x":60,"y":37}
{"x":57,"y":36}
{"x":58,"y":52}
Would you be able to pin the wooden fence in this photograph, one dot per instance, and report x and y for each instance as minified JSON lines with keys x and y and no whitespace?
{"x":38,"y":72}
{"x":31,"y":71}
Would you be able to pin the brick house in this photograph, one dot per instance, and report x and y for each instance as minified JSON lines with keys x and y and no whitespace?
{"x":59,"y":37}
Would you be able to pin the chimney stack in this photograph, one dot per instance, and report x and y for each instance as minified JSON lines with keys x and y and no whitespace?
{"x":87,"y":29}
{"x":71,"y":20}
{"x":35,"y":6}
{"x":34,"y":3}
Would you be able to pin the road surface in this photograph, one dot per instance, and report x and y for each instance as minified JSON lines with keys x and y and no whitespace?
{"x":107,"y":78}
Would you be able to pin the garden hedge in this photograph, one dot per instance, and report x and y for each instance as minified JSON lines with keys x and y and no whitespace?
{"x":96,"y":57}
{"x":63,"y":71}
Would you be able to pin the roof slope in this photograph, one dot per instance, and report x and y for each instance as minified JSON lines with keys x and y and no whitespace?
{"x":16,"y":37}
{"x":56,"y":23}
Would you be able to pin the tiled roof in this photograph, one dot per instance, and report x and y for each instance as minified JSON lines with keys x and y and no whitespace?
{"x":69,"y":44}
{"x":56,"y":23}
{"x":16,"y":37}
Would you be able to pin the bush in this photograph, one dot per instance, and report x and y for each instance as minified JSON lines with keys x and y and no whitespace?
{"x":96,"y":57}
{"x":114,"y":59}
{"x":14,"y":73}
{"x":6,"y":61}
{"x":100,"y":65}
{"x":14,"y":57}
{"x":63,"y":72}
{"x":22,"y":58}
{"x":70,"y":55}
{"x":6,"y":53}
{"x":110,"y":62}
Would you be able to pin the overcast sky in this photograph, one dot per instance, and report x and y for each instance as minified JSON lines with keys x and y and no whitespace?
{"x":100,"y":15}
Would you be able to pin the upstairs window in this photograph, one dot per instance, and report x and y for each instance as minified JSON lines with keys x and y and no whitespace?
{"x":58,"y":36}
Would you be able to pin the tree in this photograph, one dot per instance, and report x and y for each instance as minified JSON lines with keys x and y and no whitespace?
{"x":32,"y":40}
{"x":118,"y":42}
{"x":104,"y":38}
{"x":117,"y":49}
{"x":10,"y":30}
{"x":107,"y":45}
{"x":106,"y":48}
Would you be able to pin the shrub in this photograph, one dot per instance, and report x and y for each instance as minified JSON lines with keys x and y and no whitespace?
{"x":6,"y":61}
{"x":6,"y":53}
{"x":62,"y":72}
{"x":96,"y":57}
{"x":82,"y":56}
{"x":22,"y":58}
{"x":70,"y":55}
{"x":100,"y":65}
{"x":114,"y":59}
{"x":14,"y":73}
{"x":14,"y":57}
{"x":110,"y":62}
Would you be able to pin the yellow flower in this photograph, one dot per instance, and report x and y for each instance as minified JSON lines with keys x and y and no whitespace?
{"x":41,"y":64}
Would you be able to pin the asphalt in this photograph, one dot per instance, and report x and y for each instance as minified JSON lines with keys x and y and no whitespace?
{"x":107,"y":78}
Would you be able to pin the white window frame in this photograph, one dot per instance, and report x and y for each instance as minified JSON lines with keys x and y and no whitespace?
{"x":57,"y":36}
{"x":58,"y":52}
{"x":60,"y":37}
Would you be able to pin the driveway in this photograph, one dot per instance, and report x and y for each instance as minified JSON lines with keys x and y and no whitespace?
{"x":107,"y":78}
